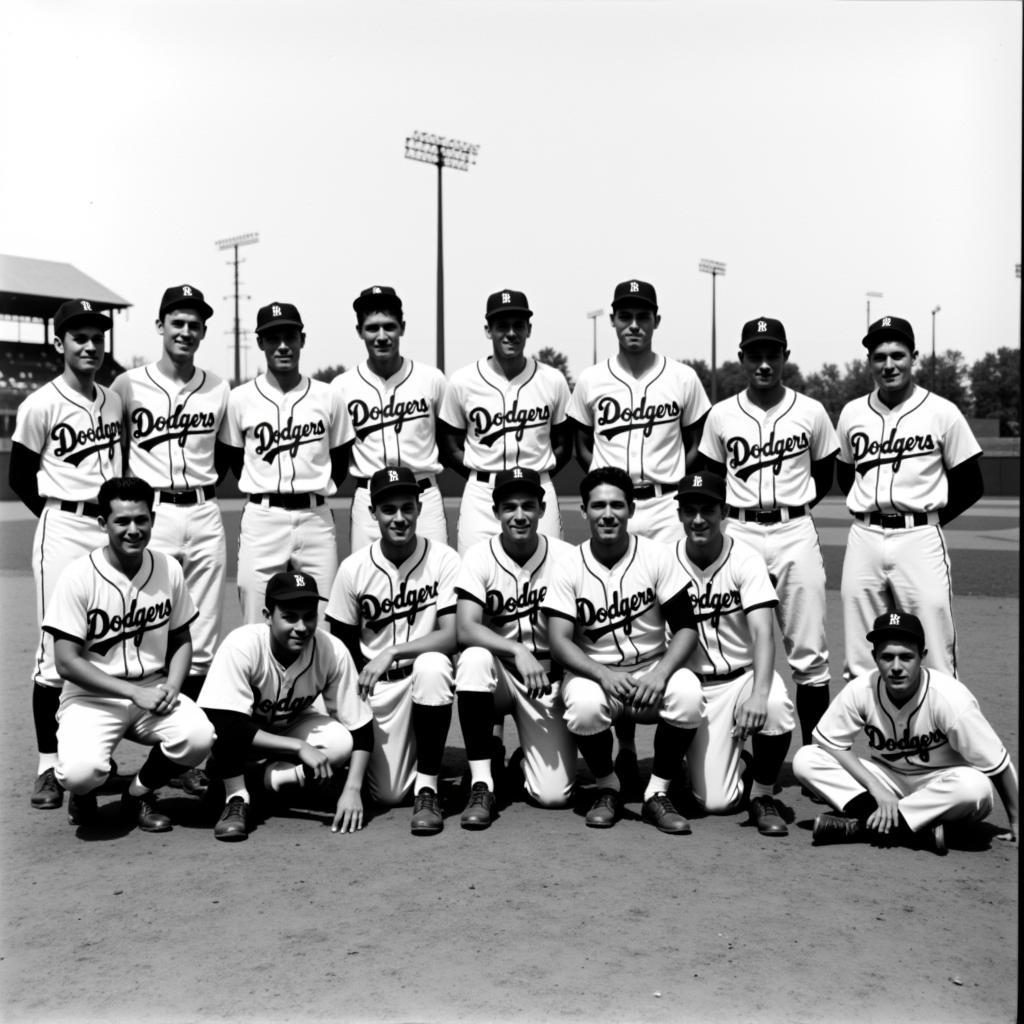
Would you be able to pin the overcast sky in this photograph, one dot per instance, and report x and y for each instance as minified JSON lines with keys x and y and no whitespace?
{"x":821,"y":150}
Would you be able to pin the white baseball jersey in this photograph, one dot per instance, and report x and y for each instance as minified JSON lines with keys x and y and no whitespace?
{"x":122,"y":623}
{"x":78,"y":441}
{"x":507,"y":422}
{"x":618,"y":610}
{"x":390,"y":603}
{"x":172,"y":426}
{"x":901,"y":455}
{"x":287,"y":436}
{"x":638,"y":421}
{"x":246,"y":677}
{"x":940,"y":727}
{"x":512,"y":595}
{"x":722,"y":595}
{"x":768,"y":452}
{"x":395,"y":419}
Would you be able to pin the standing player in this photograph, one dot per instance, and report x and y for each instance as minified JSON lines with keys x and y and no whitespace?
{"x":66,"y":442}
{"x":393,"y":605}
{"x":259,"y":695}
{"x":290,"y":436}
{"x":393,"y":404}
{"x":908,"y":464}
{"x":503,"y":411}
{"x":608,"y":606}
{"x":119,"y":618}
{"x":776,"y":449}
{"x":934,"y":759}
{"x":504,"y":663}
{"x":733,"y":604}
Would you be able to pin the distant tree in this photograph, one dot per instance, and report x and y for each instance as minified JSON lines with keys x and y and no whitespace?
{"x":995,"y":382}
{"x":827,"y":387}
{"x":557,"y":359}
{"x":328,"y":373}
{"x":951,"y":380}
{"x":703,"y":372}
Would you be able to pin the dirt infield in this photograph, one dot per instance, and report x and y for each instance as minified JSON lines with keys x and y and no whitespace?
{"x":536,"y":919}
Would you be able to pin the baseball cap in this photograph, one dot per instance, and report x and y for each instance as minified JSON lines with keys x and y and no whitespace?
{"x":635,"y":293}
{"x":897,"y":626}
{"x":516,"y":479}
{"x":185,"y":296}
{"x":507,"y":301}
{"x":392,"y":480}
{"x":378,"y":297}
{"x":889,"y":328}
{"x":278,"y":314}
{"x":283,"y":587}
{"x":706,"y":485}
{"x":764,"y":328}
{"x":76,"y":312}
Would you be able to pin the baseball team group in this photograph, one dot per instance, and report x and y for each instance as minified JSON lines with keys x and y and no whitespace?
{"x":342,"y":681}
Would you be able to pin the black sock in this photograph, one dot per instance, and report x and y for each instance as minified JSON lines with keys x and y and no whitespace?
{"x":769,"y":755}
{"x":192,"y":685}
{"x":158,"y":770}
{"x":670,"y":746}
{"x":811,"y":704}
{"x":596,"y":750}
{"x":476,"y":716}
{"x":861,"y":807}
{"x":430,"y":727}
{"x":45,"y":702}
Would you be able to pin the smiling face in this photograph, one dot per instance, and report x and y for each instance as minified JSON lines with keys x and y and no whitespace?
{"x":702,"y":523}
{"x":519,"y":514}
{"x":396,"y":516}
{"x":128,"y":528}
{"x":181,"y":331}
{"x":899,"y":667}
{"x":635,"y":327}
{"x":763,"y":363}
{"x":382,"y":334}
{"x":608,"y":513}
{"x":892,"y":364}
{"x":508,"y":334}
{"x":281,"y":347}
{"x":83,"y":349}
{"x":292,"y":626}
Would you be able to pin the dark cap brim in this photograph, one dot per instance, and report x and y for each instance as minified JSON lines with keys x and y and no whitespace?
{"x":396,"y":488}
{"x":280,"y":322}
{"x":202,"y":308}
{"x":877,"y":636}
{"x":760,"y":339}
{"x":296,"y":597}
{"x":699,"y":493}
{"x":633,"y":301}
{"x":85,"y":320}
{"x":519,"y":487}
{"x":869,"y":341}
{"x":508,"y":310}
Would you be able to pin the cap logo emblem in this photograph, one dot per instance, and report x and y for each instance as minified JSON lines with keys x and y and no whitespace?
{"x":634,"y":286}
{"x":300,"y":580}
{"x":517,"y":474}
{"x":505,"y":298}
{"x":762,"y":327}
{"x":376,"y":291}
{"x":698,"y":481}
{"x":894,"y":620}
{"x":275,"y":310}
{"x":185,"y":290}
{"x":887,"y":321}
{"x":86,"y":306}
{"x":392,"y":476}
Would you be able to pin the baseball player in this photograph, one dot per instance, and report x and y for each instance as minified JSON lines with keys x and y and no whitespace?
{"x":503,"y":411}
{"x":933,"y":759}
{"x":119,"y":618}
{"x":608,"y":606}
{"x":393,"y":606}
{"x":776,"y":449}
{"x":908,"y":464}
{"x":743,"y":697}
{"x":66,"y":442}
{"x":290,"y":437}
{"x":259,"y":694}
{"x":393,"y":404}
{"x":504,"y":663}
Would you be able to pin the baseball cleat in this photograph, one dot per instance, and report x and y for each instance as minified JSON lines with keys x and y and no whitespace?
{"x":233,"y":825}
{"x":83,"y":810}
{"x":605,"y":810}
{"x":835,"y":828}
{"x":765,"y":814}
{"x":47,"y":793}
{"x":194,"y":782}
{"x":659,"y":811}
{"x":142,"y":810}
{"x":426,"y":814}
{"x":479,"y":812}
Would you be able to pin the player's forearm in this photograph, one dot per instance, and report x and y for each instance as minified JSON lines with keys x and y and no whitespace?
{"x":451,"y":450}
{"x":440,"y":641}
{"x":691,"y":441}
{"x":822,"y":473}
{"x":584,"y":447}
{"x":22,"y":476}
{"x":680,"y":647}
{"x":966,"y":487}
{"x":569,"y":655}
{"x":762,"y":634}
{"x":271,"y":743}
{"x":1007,"y":786}
{"x":851,"y":763}
{"x":75,"y":668}
{"x":476,"y":634}
{"x":179,"y":658}
{"x":357,"y":770}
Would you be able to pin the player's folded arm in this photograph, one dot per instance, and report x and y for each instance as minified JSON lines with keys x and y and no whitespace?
{"x":583,"y":442}
{"x":232,"y":726}
{"x":678,"y":612}
{"x":451,"y":444}
{"x":966,"y":486}
{"x":845,"y":474}
{"x":348,"y":634}
{"x":22,"y":475}
{"x":822,"y":473}
{"x":339,"y":462}
{"x":228,"y":457}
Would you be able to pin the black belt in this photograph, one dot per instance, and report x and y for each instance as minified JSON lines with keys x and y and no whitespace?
{"x":193,"y":496}
{"x":723,"y":677}
{"x":394,"y":674}
{"x":893,"y":520}
{"x":289,"y":501}
{"x":82,"y":508}
{"x":424,"y":483}
{"x":641,"y":492}
{"x":766,"y":516}
{"x":483,"y":475}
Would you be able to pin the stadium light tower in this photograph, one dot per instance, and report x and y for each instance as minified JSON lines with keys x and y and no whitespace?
{"x":442,"y":152}
{"x":714,"y":268}
{"x":592,"y":316}
{"x":233,"y":243}
{"x":871,"y":295}
{"x":934,"y":311}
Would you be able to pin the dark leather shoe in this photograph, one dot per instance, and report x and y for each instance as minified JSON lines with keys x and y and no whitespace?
{"x":142,"y":810}
{"x":765,"y":814}
{"x":233,"y":825}
{"x":426,"y":814}
{"x":83,"y":810}
{"x":194,"y":782}
{"x":659,"y":811}
{"x":48,"y":792}
{"x":479,"y":812}
{"x":605,"y":810}
{"x":835,"y":828}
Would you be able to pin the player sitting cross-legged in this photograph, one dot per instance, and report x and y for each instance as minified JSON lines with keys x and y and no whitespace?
{"x":504,"y":664}
{"x":119,"y":618}
{"x":933,"y":757}
{"x":259,"y":695}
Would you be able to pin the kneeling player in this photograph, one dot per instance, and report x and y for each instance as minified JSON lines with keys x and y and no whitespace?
{"x":259,"y":695}
{"x":504,"y":663}
{"x":119,"y":618}
{"x":934,"y":759}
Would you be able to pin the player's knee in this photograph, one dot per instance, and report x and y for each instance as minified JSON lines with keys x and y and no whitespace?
{"x":474,"y":672}
{"x":586,"y":708}
{"x":193,"y":746}
{"x":433,"y":680}
{"x":683,"y":703}
{"x":805,"y":762}
{"x":551,"y":794}
{"x":336,"y":742}
{"x":82,"y":775}
{"x":973,"y":789}
{"x":779,"y":711}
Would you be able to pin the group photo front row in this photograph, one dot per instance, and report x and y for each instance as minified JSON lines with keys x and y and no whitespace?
{"x":341,"y":683}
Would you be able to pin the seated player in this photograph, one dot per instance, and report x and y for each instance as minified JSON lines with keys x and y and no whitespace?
{"x":744,"y":698}
{"x":259,"y":693}
{"x":393,"y":606}
{"x":119,"y":618}
{"x":934,"y":759}
{"x":608,"y":606}
{"x":504,"y":663}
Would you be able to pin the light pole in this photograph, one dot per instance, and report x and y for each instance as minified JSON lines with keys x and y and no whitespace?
{"x":442,"y":152}
{"x":871,"y":295}
{"x":234,"y":243}
{"x":714,"y":268}
{"x":593,"y":315}
{"x":934,"y":311}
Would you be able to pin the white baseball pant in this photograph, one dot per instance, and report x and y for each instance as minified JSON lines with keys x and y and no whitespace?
{"x":476,"y":512}
{"x":431,"y":523}
{"x":320,"y":731}
{"x":657,"y":518}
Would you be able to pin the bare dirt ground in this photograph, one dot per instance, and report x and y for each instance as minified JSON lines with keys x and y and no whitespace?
{"x":536,"y":919}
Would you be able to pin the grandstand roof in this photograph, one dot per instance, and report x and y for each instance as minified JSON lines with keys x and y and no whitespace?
{"x":33,"y":289}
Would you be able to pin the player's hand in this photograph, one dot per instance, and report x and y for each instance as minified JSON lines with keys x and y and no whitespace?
{"x":751,"y":716}
{"x":620,"y":685}
{"x":348,"y":817}
{"x":886,"y":818}
{"x":650,"y":689}
{"x":531,"y":673}
{"x":372,"y":671}
{"x":158,"y":700}
{"x":315,"y":761}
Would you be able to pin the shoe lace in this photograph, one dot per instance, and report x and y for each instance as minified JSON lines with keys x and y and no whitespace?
{"x":606,"y":798}
{"x":235,"y":808}
{"x":662,"y":803}
{"x":479,"y":794}
{"x":426,"y":799}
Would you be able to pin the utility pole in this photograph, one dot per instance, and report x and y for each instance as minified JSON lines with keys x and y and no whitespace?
{"x":592,"y":316}
{"x":234,"y":243}
{"x":714,"y":268}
